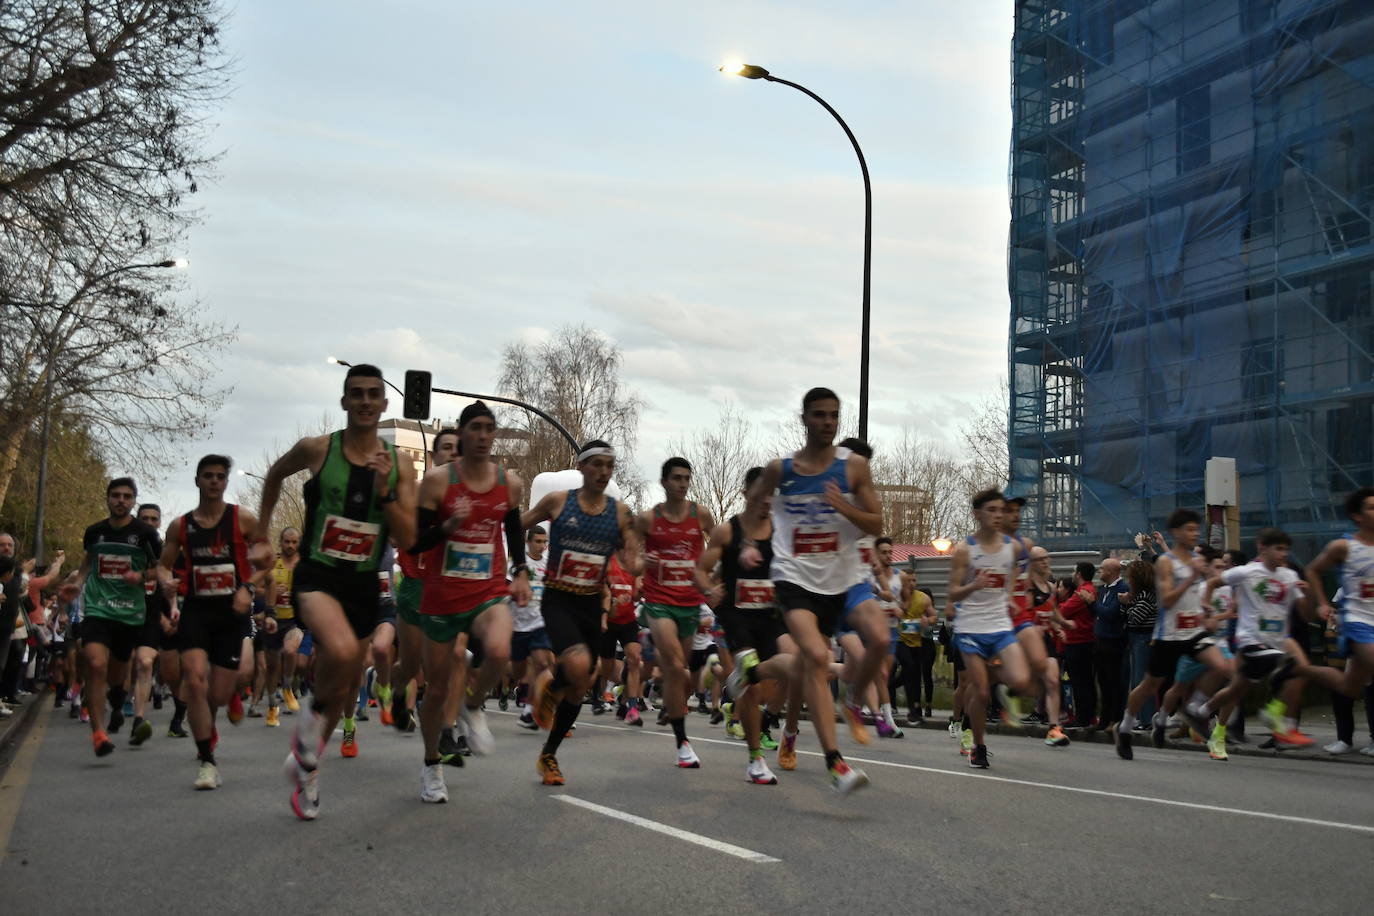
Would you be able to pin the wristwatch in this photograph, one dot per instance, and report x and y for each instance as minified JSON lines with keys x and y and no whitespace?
{"x":390,"y":497}
{"x":252,"y":589}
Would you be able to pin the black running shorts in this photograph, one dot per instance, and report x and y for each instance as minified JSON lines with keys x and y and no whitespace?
{"x":119,"y":638}
{"x":752,"y":629}
{"x":571,"y":620}
{"x":216,"y":632}
{"x":1165,"y":653}
{"x":357,"y":593}
{"x":617,"y":634}
{"x":828,"y":609}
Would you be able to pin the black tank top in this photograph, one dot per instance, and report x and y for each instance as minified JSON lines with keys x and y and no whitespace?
{"x":746,"y":590}
{"x":217,"y":561}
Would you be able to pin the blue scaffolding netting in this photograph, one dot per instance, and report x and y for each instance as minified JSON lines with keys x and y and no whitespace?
{"x":1190,"y":260}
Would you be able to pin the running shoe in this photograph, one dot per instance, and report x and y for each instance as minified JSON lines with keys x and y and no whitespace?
{"x":632,"y":717}
{"x":461,"y":742}
{"x":116,"y":721}
{"x":727,"y":709}
{"x":449,"y":751}
{"x":1271,"y":714}
{"x":1293,"y":738}
{"x":235,"y":708}
{"x":747,"y":660}
{"x":73,"y":711}
{"x":361,"y":713}
{"x":527,"y":721}
{"x":844,"y":779}
{"x":305,"y":788}
{"x":141,"y":732}
{"x":546,"y":700}
{"x":503,"y":703}
{"x":102,"y":743}
{"x":787,"y":752}
{"x":306,"y":743}
{"x":432,"y":788}
{"x":348,"y":747}
{"x":966,"y":742}
{"x":758,"y":773}
{"x":1338,"y":747}
{"x":978,"y":758}
{"x":954,"y":729}
{"x":273,"y":717}
{"x":207,"y":776}
{"x":854,"y":718}
{"x":687,"y":758}
{"x":766,"y":741}
{"x":735,"y":730}
{"x":914,"y":718}
{"x":1033,"y":718}
{"x":547,"y":767}
{"x":253,"y":711}
{"x":398,"y":710}
{"x":1010,"y":707}
{"x":411,"y":723}
{"x":599,"y":708}
{"x":1055,"y":737}
{"x":1123,"y":743}
{"x":1197,"y":720}
{"x":663,"y":717}
{"x":717,"y":716}
{"x":1157,"y":726}
{"x":289,"y":697}
{"x":1216,"y":747}
{"x":385,"y":715}
{"x":888,"y":731}
{"x":1367,"y":750}
{"x":478,"y":735}
{"x":176,"y":730}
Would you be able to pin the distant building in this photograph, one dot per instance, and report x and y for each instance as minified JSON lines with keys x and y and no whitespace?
{"x":413,"y":438}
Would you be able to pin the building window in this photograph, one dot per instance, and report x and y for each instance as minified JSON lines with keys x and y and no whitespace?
{"x":1258,"y":370}
{"x":1193,"y":134}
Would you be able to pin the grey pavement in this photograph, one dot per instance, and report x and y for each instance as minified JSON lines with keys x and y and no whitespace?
{"x":1044,"y":830}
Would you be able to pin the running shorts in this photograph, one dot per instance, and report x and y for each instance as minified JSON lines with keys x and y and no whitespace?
{"x":571,"y":620}
{"x":1164,"y":654}
{"x":522,"y":645}
{"x":274,"y":642}
{"x":687,"y":617}
{"x":984,"y":645}
{"x":218,"y":633}
{"x":1190,"y":669}
{"x":617,"y":634}
{"x":699,"y":659}
{"x":1258,"y":662}
{"x":753,"y":629}
{"x":151,"y":632}
{"x":827,"y":609}
{"x":357,"y":593}
{"x":448,"y":627}
{"x":120,"y":638}
{"x":408,"y":593}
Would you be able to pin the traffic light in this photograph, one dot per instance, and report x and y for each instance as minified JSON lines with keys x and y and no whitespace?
{"x":417,"y":394}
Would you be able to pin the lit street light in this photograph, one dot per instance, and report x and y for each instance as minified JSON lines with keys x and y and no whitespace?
{"x":942,"y":544}
{"x":751,"y":72}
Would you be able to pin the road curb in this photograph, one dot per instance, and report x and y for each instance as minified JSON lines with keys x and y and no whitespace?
{"x":16,"y":726}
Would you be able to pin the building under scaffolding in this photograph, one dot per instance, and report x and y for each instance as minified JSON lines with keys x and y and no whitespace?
{"x":1190,"y":261}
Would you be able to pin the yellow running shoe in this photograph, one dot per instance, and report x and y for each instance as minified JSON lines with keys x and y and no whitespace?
{"x":273,"y":717}
{"x":289,"y":697}
{"x":547,"y":767}
{"x":787,"y":751}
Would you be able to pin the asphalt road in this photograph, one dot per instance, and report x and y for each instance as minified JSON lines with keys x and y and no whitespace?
{"x":1044,"y":830}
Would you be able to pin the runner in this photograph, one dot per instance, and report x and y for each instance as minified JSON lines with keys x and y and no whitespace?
{"x":211,"y":543}
{"x":753,"y":625}
{"x":150,"y":640}
{"x":443,"y":449}
{"x":360,"y":491}
{"x":825,"y":498}
{"x":587,"y":527}
{"x":890,"y":589}
{"x":673,"y":533}
{"x":1030,"y":630}
{"x":283,"y":643}
{"x":121,"y":556}
{"x":1178,"y":631}
{"x":530,"y":651}
{"x":622,"y":591}
{"x":470,"y":509}
{"x":1353,"y":556}
{"x":981,"y":579}
{"x":1266,"y":591}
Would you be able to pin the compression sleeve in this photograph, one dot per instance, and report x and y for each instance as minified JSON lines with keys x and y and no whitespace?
{"x":429,"y":533}
{"x":515,"y":538}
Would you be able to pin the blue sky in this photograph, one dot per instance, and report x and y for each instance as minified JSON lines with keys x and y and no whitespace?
{"x":418,"y":183}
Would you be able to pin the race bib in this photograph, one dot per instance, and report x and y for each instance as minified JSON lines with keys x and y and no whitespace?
{"x":753,"y":594}
{"x":348,"y":539}
{"x":1189,"y":621}
{"x":996,"y":580}
{"x":214,"y":581}
{"x":1267,"y":625}
{"x":1367,"y":588}
{"x":113,"y":566}
{"x":149,"y":587}
{"x":676,"y":573}
{"x":1043,"y":618}
{"x":468,"y":561}
{"x":385,"y":579}
{"x":815,"y":539}
{"x":580,"y":570}
{"x":910,"y":626}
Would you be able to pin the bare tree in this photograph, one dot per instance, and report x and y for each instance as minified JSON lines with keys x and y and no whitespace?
{"x":290,"y":511}
{"x":575,"y":378}
{"x":75,"y":490}
{"x":984,"y":438}
{"x":720,"y":455}
{"x":923,"y":489}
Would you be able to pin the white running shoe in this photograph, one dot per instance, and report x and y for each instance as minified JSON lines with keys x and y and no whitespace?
{"x":736,"y":682}
{"x":1368,"y":751}
{"x":305,"y":797}
{"x":432,"y":788}
{"x":306,"y":742}
{"x":845,"y":779}
{"x":759,"y":774}
{"x":475,"y":727}
{"x":1338,"y":747}
{"x":954,"y":730}
{"x":207,"y":776}
{"x":687,"y":758}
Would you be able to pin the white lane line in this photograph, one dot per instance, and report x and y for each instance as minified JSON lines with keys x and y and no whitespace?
{"x":1196,"y":806}
{"x":738,"y":852}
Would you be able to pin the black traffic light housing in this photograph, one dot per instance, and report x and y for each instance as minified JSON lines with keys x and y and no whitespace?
{"x":418,"y":383}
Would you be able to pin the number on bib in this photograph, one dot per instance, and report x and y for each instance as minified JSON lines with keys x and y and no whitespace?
{"x":582,"y":571}
{"x":214,"y":581}
{"x":113,"y":566}
{"x":468,"y":561}
{"x":815,"y":539}
{"x":348,"y":539}
{"x":753,"y":594}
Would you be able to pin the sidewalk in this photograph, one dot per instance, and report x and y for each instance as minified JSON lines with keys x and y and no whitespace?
{"x":12,"y":727}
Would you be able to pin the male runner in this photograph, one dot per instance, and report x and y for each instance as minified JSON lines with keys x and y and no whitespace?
{"x":824,"y":499}
{"x":888,"y":590}
{"x":360,"y":491}
{"x":530,"y":651}
{"x":150,"y":640}
{"x":1265,"y":591}
{"x":282,"y":644}
{"x":121,"y":555}
{"x":1029,"y":627}
{"x":674,"y":534}
{"x":470,"y":509}
{"x":211,"y":542}
{"x":442,"y":450}
{"x":981,"y":579}
{"x":753,"y":625}
{"x":1353,"y":556}
{"x":1181,"y":576}
{"x":622,"y":589}
{"x":587,"y":526}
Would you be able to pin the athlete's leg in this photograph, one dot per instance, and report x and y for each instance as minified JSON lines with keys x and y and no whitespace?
{"x":493,"y":627}
{"x":144,"y":657}
{"x":672,"y":661}
{"x":289,"y":647}
{"x":195,"y":690}
{"x":634,"y":659}
{"x":814,"y":655}
{"x":338,"y":654}
{"x":383,"y":652}
{"x":976,"y":693}
{"x":437,"y":660}
{"x":98,"y":673}
{"x":1358,"y":668}
{"x":869,"y":621}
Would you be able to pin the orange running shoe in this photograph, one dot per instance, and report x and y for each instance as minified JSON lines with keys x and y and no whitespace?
{"x":349,"y":746}
{"x":235,"y":708}
{"x":854,"y":717}
{"x":546,"y":700}
{"x":103,"y":745}
{"x":1293,"y":738}
{"x":547,"y":767}
{"x":386,"y":716}
{"x":787,"y":751}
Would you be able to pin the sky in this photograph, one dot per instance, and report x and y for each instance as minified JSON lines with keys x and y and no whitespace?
{"x":417,"y":184}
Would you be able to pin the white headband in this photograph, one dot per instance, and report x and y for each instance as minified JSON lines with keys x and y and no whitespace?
{"x":594,"y":451}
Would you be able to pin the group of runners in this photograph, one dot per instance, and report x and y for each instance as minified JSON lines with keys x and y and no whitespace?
{"x":578,"y":596}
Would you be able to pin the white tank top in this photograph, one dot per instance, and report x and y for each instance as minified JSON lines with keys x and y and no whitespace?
{"x":1357,"y":583}
{"x":987,"y":610}
{"x":1183,"y":619}
{"x":814,"y":546}
{"x":1264,"y":600}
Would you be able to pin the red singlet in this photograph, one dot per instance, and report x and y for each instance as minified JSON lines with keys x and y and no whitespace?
{"x":469,"y":568}
{"x":670,"y":560}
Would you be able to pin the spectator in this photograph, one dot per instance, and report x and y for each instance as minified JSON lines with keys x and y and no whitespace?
{"x":1109,"y":632}
{"x":9,"y":608}
{"x":914,"y":632}
{"x":1076,"y":598}
{"x":1142,"y":611}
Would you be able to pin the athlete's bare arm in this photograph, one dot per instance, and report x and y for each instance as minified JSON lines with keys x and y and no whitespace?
{"x":307,"y":454}
{"x":1164,"y":573}
{"x":1332,"y":555}
{"x":171,"y":550}
{"x":958,"y":571}
{"x":706,"y":563}
{"x":549,"y":507}
{"x":520,"y":584}
{"x":631,"y":551}
{"x":400,"y":512}
{"x":866,"y":513}
{"x":708,"y":522}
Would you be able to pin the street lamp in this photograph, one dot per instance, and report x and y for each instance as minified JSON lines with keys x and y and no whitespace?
{"x":41,"y":491}
{"x":751,"y":72}
{"x":942,"y":545}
